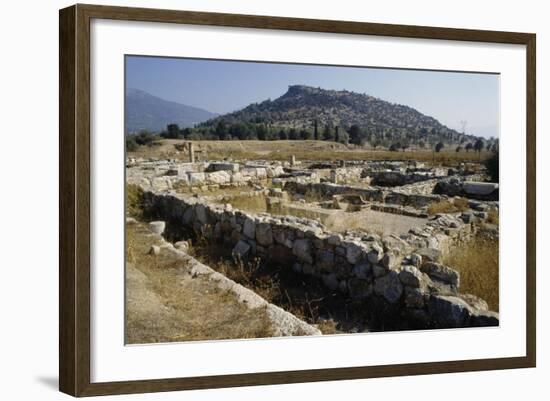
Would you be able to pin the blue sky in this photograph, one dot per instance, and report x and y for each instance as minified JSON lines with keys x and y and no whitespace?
{"x":225,"y":86}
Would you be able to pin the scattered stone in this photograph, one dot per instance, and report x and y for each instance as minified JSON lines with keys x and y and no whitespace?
{"x":157,"y":227}
{"x":154,"y":250}
{"x":442,"y":273}
{"x":449,"y":311}
{"x":182,"y":246}
{"x":410,"y":276}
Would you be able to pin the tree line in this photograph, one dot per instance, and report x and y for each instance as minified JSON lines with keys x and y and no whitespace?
{"x":392,"y":140}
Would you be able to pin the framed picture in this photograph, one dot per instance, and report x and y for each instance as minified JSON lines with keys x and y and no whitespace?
{"x":250,"y":200}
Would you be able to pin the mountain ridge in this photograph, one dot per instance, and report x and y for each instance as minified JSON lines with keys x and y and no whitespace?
{"x":145,"y":111}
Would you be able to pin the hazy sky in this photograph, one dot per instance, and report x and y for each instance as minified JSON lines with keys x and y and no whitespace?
{"x":225,"y":86}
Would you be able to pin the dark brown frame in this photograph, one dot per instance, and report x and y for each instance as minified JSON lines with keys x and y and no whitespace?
{"x":74,"y":199}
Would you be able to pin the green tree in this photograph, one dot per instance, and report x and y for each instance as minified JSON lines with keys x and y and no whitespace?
{"x":173,"y":131}
{"x":355,"y":134}
{"x":131,"y":144}
{"x":478,"y":145}
{"x":315,"y":130}
{"x":439,"y":146}
{"x":394,"y":147}
{"x":328,"y":134}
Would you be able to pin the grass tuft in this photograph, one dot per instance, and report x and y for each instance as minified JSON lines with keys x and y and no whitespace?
{"x":448,"y":206}
{"x":477,"y":262}
{"x":134,"y":201}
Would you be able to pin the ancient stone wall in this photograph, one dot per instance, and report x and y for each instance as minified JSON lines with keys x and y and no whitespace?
{"x":400,"y":273}
{"x":369,"y":194}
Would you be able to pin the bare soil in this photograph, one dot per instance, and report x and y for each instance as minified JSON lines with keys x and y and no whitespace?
{"x":164,"y":303}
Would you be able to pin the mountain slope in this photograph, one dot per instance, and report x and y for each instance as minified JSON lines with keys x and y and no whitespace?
{"x":302,"y":105}
{"x":145,"y":111}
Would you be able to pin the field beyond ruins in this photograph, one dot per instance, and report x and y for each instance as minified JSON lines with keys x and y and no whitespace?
{"x":247,"y":239}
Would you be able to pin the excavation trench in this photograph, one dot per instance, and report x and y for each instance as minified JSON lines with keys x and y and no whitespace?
{"x":323,"y":278}
{"x":307,"y":297}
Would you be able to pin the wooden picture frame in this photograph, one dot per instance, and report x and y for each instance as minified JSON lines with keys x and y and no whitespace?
{"x":75,"y":207}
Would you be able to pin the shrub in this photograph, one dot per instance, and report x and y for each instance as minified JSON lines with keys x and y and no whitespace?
{"x":134,"y":201}
{"x":131,"y":144}
{"x":492,"y":167}
{"x":457,"y":205}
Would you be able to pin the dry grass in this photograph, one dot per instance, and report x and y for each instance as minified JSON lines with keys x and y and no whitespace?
{"x":312,"y":195}
{"x":165,"y":305}
{"x":248,"y":203}
{"x":493,"y":217}
{"x":134,"y":201}
{"x":477,"y":262}
{"x":448,"y":206}
{"x":303,"y":150}
{"x":281,"y":288}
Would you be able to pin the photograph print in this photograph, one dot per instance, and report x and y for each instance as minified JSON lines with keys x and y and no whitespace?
{"x":277,"y":199}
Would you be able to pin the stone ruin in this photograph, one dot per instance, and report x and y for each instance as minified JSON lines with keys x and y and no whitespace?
{"x":400,"y":275}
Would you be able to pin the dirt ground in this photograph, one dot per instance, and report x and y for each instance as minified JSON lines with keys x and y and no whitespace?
{"x":373,"y":221}
{"x":301,"y":149}
{"x":164,"y":303}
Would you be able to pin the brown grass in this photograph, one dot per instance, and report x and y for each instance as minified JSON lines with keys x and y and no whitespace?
{"x":493,"y":217}
{"x":266,"y":282}
{"x":134,"y":201}
{"x":312,"y":195}
{"x":165,"y":305}
{"x":305,"y":150}
{"x":253,"y":204}
{"x":448,"y":206}
{"x":477,"y":262}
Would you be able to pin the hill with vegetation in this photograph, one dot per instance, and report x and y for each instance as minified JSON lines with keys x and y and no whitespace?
{"x":316,"y":113}
{"x":308,"y":113}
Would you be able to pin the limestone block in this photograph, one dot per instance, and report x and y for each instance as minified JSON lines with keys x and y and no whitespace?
{"x":264,"y":234}
{"x":441,"y":273}
{"x":157,"y":227}
{"x":302,"y":250}
{"x":389,"y":287}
